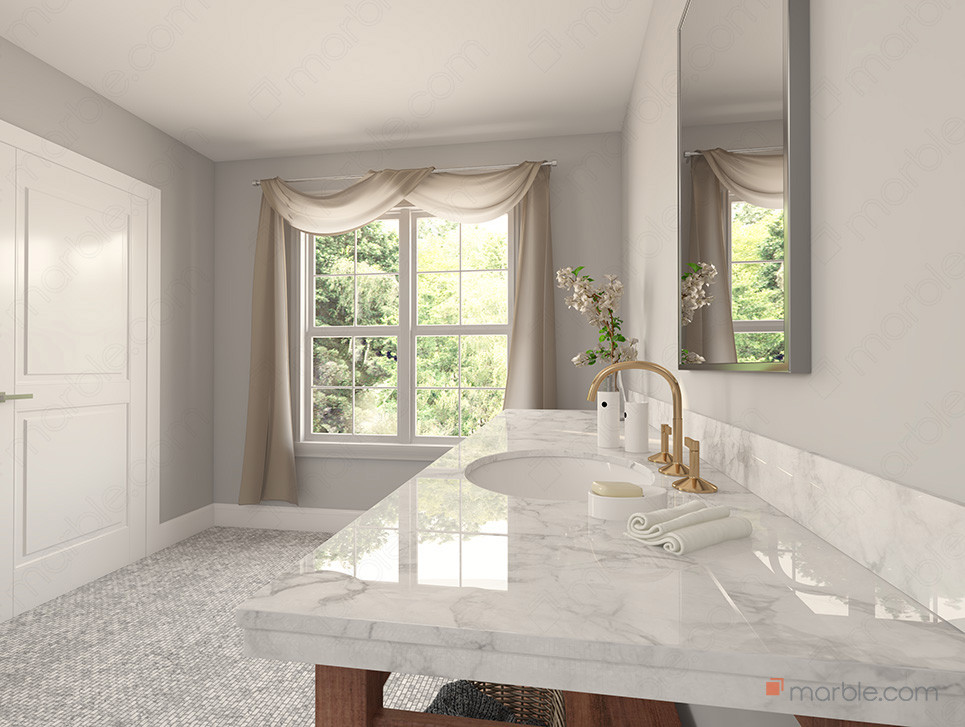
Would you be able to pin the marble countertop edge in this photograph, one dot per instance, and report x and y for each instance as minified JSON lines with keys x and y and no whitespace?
{"x":601,"y":654}
{"x":677,"y":681}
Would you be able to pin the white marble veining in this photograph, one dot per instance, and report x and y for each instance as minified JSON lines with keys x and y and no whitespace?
{"x":443,"y":577}
{"x":913,"y":540}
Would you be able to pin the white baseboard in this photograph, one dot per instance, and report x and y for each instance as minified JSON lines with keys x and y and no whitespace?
{"x":175,"y":530}
{"x":279,"y":517}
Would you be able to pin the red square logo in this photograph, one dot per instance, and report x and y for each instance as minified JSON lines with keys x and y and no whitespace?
{"x":774,"y":687}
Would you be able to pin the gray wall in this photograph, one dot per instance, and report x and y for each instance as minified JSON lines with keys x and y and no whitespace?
{"x":586,"y":221}
{"x":888,"y":142}
{"x":42,"y":100}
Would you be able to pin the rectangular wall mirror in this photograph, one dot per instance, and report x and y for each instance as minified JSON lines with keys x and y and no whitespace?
{"x":744,"y":186}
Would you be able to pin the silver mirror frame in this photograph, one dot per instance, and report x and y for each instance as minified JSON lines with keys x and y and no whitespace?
{"x":797,"y":197}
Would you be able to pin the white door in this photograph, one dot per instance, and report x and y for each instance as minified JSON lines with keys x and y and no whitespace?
{"x":77,"y":447}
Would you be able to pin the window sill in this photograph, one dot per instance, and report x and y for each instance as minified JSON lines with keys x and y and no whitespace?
{"x":372,"y":450}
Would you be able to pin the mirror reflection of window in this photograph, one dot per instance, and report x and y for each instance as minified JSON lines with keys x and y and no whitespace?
{"x":450,"y":533}
{"x":756,"y":279}
{"x":462,"y":538}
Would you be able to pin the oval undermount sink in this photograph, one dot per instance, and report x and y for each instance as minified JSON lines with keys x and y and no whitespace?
{"x":551,"y":476}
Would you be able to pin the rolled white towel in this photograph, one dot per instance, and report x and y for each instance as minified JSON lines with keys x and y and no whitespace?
{"x":692,"y":538}
{"x":691,"y":518}
{"x":641,"y":522}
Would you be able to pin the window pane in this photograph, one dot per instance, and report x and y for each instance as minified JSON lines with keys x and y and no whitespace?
{"x":378,"y":300}
{"x":484,"y":360}
{"x":375,"y":411}
{"x":332,"y":361}
{"x":485,"y":298}
{"x":378,"y":247}
{"x":335,"y":255}
{"x":437,"y":361}
{"x":756,"y":233}
{"x":332,"y":411}
{"x":760,"y":347}
{"x":378,"y":555}
{"x":758,"y":290}
{"x":438,"y":560}
{"x":485,"y":246}
{"x":438,"y":505}
{"x":438,"y":298}
{"x":334,"y":301}
{"x":437,"y":412}
{"x":437,"y":244}
{"x":376,"y":361}
{"x":483,"y":511}
{"x":478,"y":407}
{"x":485,"y":561}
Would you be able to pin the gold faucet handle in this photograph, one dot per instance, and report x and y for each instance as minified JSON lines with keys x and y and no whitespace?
{"x":694,"y":482}
{"x":694,"y":446}
{"x":663,"y":456}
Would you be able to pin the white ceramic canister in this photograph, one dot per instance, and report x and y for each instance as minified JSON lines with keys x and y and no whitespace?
{"x":608,"y":417}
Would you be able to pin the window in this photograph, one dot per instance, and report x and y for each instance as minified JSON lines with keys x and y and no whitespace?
{"x":757,"y":282}
{"x":406,"y":329}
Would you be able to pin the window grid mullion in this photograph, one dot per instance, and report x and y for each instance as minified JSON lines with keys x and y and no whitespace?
{"x":459,"y":352}
{"x":404,"y":346}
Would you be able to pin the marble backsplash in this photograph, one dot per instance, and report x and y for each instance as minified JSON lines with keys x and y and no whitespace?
{"x":913,"y":540}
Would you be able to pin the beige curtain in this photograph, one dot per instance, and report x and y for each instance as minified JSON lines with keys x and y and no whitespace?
{"x":268,"y":471}
{"x":716,"y":174}
{"x":754,"y":178}
{"x":531,"y":379}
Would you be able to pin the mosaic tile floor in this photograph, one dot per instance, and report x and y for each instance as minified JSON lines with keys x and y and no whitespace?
{"x":155,"y":645}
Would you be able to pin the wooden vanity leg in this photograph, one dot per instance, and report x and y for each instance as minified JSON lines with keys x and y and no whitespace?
{"x":347,"y":697}
{"x":829,"y":722}
{"x":597,"y":710}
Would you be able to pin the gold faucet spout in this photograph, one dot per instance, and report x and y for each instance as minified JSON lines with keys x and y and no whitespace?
{"x":676,"y":467}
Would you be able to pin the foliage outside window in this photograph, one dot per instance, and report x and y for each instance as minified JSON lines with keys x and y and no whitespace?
{"x":757,"y":282}
{"x":409,"y":329}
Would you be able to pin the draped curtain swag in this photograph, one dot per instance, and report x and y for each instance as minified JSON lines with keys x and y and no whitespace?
{"x":268,"y":471}
{"x":716,"y":174}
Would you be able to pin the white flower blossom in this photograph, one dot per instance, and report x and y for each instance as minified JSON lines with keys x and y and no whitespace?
{"x":627,"y":350}
{"x":693,"y":293}
{"x":691,"y":357}
{"x":565,"y":278}
{"x":582,"y":359}
{"x":598,"y":302}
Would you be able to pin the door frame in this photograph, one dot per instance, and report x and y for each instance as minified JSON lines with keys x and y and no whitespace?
{"x":149,"y":330}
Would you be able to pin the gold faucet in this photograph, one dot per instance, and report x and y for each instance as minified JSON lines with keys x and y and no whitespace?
{"x":676,"y":467}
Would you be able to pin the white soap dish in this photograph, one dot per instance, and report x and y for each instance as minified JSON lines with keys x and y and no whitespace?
{"x":621,"y":508}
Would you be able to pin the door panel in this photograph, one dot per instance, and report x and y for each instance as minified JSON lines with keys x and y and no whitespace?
{"x":8,"y":206}
{"x":76,"y":285}
{"x":81,"y":453}
{"x":80,"y":290}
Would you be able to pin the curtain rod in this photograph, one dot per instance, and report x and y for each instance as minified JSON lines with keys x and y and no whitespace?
{"x":758,"y":150}
{"x":491,"y":167}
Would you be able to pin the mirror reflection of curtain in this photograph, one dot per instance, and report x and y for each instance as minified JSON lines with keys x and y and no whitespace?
{"x":717,"y":175}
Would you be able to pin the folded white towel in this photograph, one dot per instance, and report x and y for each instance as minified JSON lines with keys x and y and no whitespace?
{"x":705,"y":514}
{"x":687,"y":540}
{"x":642,"y":521}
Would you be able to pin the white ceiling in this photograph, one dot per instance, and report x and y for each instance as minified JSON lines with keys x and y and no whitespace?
{"x":223,"y":75}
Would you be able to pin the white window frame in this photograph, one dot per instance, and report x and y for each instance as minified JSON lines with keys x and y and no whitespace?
{"x":775,"y":325}
{"x":405,"y":445}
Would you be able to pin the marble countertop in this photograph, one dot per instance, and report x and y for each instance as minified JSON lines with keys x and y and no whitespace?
{"x":445,"y":578}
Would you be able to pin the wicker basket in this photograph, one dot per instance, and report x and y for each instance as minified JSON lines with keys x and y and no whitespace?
{"x":529,"y":704}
